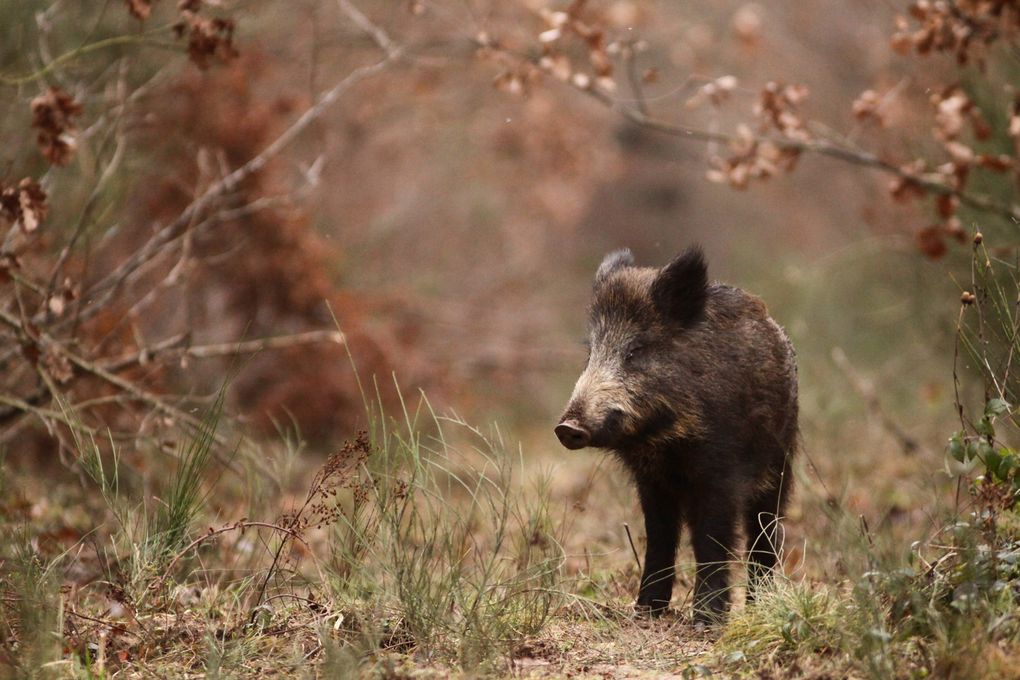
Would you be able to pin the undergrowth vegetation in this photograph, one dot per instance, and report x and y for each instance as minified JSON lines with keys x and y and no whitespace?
{"x":946,"y":606}
{"x":417,"y":536}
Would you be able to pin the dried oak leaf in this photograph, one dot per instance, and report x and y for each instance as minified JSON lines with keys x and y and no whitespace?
{"x":24,"y":204}
{"x":53,"y":115}
{"x":995,"y":163}
{"x":777,"y":107}
{"x":32,"y":200}
{"x":907,"y":185}
{"x":931,"y":241}
{"x":947,"y":205}
{"x":867,"y":108}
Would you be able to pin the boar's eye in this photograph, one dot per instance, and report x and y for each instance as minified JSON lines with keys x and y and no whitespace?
{"x":633,"y":352}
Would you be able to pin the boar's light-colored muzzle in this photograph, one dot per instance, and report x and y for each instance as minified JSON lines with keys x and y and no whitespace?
{"x":599,"y":410}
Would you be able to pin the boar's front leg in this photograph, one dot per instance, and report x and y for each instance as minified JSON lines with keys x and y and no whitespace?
{"x":662,"y":527}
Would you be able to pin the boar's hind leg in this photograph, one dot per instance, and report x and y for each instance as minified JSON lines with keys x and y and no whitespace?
{"x":662,"y":527}
{"x":713,"y":525}
{"x":761,"y":526}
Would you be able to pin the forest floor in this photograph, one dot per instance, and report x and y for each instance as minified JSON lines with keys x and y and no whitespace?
{"x":437,"y":550}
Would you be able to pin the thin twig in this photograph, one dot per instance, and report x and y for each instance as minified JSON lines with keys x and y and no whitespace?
{"x":142,"y":38}
{"x":85,"y":216}
{"x":392,"y":50}
{"x":110,"y":624}
{"x":630,"y":62}
{"x":630,"y":539}
{"x":909,"y":444}
{"x":172,"y":347}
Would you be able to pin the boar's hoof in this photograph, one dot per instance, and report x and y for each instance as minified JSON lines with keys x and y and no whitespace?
{"x":572,"y":435}
{"x":654,"y":610}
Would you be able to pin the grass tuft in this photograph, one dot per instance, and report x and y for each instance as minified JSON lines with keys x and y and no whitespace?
{"x":460,"y":562}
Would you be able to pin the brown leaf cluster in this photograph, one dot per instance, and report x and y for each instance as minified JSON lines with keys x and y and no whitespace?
{"x":571,"y":22}
{"x":24,"y":204}
{"x":778,"y":109}
{"x":958,"y":126}
{"x":964,"y":29}
{"x":209,"y":38}
{"x":53,"y":115}
{"x":931,"y":240}
{"x":961,"y":28}
{"x":954,"y":113}
{"x":907,"y":185}
{"x":751,"y":159}
{"x":516,"y":79}
{"x":576,"y":27}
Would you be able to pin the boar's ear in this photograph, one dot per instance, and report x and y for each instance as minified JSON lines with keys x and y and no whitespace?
{"x":679,"y":290}
{"x":613,"y":261}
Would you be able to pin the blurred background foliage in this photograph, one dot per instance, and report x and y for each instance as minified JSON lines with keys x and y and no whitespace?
{"x":454,"y":226}
{"x":451,"y":208}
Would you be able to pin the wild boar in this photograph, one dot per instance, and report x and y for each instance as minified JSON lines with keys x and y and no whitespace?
{"x":693,"y":387}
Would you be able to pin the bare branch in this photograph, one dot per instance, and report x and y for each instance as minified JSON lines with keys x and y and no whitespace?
{"x":103,"y":291}
{"x":380,"y":37}
{"x":92,"y":368}
{"x":817,"y":146}
{"x":866,"y":391}
{"x":173,"y":347}
{"x":820,"y":147}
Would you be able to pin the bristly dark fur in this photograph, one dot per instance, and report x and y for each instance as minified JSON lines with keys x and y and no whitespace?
{"x":694,"y":388}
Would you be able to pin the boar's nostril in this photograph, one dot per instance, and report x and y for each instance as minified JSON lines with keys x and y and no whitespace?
{"x":572,"y":435}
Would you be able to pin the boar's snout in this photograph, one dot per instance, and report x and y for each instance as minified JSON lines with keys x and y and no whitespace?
{"x":572,"y":435}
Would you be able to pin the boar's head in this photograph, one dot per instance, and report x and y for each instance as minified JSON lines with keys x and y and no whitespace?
{"x":632,"y":385}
